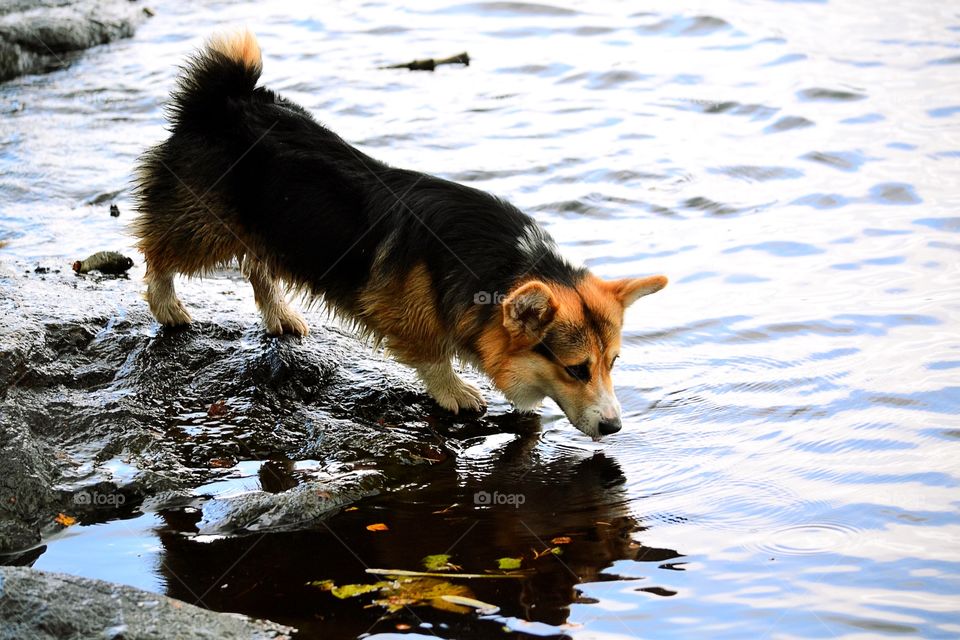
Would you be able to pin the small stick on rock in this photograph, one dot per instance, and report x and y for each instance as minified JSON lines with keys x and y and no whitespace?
{"x":430,"y":63}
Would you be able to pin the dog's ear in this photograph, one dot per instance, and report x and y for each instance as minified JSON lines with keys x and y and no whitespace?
{"x":629,"y":290}
{"x":528,"y":311}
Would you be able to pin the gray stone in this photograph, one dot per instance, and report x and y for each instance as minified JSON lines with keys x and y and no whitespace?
{"x":41,"y":605}
{"x":296,"y":508}
{"x":37,"y":35}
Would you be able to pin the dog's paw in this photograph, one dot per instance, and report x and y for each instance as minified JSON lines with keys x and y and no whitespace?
{"x":462,"y":397}
{"x":287,"y":322}
{"x":294,"y":324}
{"x":172,"y":314}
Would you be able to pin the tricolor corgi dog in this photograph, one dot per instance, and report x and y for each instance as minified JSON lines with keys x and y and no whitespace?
{"x":432,"y":269}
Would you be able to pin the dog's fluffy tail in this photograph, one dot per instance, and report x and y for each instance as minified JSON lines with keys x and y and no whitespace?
{"x":228,"y":66}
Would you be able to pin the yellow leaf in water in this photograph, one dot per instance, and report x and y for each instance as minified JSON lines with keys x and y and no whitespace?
{"x":509,"y":563}
{"x":377,"y":527}
{"x":65,"y":520}
{"x":352,"y":590}
{"x":419,"y":591}
{"x":394,"y":595}
{"x":325,"y":585}
{"x":438,"y":562}
{"x":561,"y":540}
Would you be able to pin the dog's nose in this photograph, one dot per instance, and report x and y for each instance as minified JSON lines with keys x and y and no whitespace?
{"x":609,"y":426}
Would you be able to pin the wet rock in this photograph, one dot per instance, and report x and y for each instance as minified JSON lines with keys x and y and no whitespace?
{"x":36,"y":35}
{"x":41,"y":605}
{"x":296,"y":508}
{"x":103,"y":413}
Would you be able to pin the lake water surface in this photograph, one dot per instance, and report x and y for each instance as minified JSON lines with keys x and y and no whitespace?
{"x":790,"y":460}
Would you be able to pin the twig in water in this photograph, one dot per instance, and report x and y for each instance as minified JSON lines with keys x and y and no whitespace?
{"x":437,"y":574}
{"x":430,"y":63}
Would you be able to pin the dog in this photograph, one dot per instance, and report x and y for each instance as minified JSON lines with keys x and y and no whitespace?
{"x":432,"y":269}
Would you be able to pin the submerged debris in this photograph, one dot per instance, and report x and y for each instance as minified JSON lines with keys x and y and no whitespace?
{"x":394,"y":595}
{"x":109,"y":262}
{"x":430,"y":64}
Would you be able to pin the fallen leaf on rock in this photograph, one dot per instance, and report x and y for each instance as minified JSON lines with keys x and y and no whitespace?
{"x":218,"y":408}
{"x":65,"y":520}
{"x":379,"y":526}
{"x":221,"y":463}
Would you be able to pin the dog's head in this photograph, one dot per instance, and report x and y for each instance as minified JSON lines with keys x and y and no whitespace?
{"x":561,"y":342}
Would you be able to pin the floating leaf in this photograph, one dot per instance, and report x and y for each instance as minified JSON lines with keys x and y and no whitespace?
{"x":420,"y":591}
{"x":348,"y":590}
{"x":353,"y":590}
{"x":438,"y":562}
{"x":394,"y":595}
{"x":377,"y":527}
{"x":561,"y":540}
{"x":352,"y":509}
{"x":65,"y":520}
{"x":539,"y":554}
{"x":509,"y":563}
{"x":325,"y":585}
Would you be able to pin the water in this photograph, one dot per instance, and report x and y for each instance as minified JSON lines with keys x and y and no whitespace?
{"x":789,"y":464}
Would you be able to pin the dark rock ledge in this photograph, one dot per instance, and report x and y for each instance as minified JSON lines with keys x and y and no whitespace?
{"x":97,"y":400}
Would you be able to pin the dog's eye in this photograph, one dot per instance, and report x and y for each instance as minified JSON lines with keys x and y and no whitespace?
{"x":614,"y":361}
{"x":579,"y":372}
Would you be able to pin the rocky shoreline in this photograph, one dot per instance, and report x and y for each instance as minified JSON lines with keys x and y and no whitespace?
{"x":97,"y":400}
{"x":42,"y":605}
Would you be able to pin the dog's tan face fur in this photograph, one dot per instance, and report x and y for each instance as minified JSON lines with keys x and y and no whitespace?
{"x":561,"y":342}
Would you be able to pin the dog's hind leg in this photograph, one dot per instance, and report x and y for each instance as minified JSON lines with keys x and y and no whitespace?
{"x":278,"y":317}
{"x":162,"y":297}
{"x":449,"y":389}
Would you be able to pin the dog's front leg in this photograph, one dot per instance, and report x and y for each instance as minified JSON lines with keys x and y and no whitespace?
{"x":449,"y":389}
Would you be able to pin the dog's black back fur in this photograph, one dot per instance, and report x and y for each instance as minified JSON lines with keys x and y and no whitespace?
{"x":325,"y":209}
